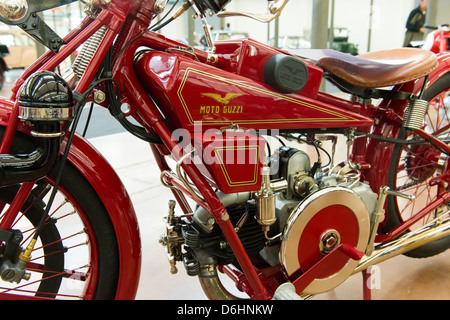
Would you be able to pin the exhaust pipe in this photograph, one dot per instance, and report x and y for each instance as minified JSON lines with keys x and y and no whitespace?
{"x":408,"y":242}
{"x":212,"y":286}
{"x":20,"y":168}
{"x":429,"y":233}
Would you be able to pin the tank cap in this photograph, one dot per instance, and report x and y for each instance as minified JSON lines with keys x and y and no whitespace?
{"x":286,"y":73}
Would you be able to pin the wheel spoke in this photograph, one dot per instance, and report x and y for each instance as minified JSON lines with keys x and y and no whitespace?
{"x":413,"y":166}
{"x":73,"y":274}
{"x":54,"y":247}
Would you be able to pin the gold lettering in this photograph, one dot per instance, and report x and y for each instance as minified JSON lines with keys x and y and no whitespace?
{"x":235,"y":109}
{"x":218,"y":109}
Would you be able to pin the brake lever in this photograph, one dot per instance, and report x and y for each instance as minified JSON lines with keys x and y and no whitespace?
{"x":274,"y":11}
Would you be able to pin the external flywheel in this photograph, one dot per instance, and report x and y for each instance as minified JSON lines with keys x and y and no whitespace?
{"x":318,"y":225}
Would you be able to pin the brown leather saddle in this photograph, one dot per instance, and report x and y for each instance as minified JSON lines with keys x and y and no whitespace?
{"x":375,"y":69}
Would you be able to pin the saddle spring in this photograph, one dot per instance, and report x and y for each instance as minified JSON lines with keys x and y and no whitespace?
{"x":415,"y":113}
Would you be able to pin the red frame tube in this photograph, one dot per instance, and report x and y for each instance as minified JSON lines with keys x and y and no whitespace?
{"x":219,"y":213}
{"x":18,"y":202}
{"x":438,"y":143}
{"x":48,"y":55}
{"x":441,"y":200}
{"x":72,"y":46}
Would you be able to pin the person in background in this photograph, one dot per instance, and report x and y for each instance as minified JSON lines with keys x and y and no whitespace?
{"x":414,"y":24}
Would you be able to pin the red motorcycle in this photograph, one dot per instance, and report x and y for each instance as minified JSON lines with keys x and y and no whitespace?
{"x":438,"y":41}
{"x":227,"y":127}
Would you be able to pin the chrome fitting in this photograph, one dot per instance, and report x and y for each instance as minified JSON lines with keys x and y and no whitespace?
{"x":159,"y":6}
{"x":415,"y":113}
{"x":265,"y":202}
{"x":13,"y":10}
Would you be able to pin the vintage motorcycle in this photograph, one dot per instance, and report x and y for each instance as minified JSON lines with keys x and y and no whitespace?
{"x":227,"y":127}
{"x":437,"y":41}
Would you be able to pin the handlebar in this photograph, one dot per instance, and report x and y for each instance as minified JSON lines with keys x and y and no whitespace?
{"x":24,"y":14}
{"x":275,"y":9}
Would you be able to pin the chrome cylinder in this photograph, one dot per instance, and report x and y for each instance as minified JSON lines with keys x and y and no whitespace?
{"x":265,"y":202}
{"x":205,"y":220}
{"x":46,"y":98}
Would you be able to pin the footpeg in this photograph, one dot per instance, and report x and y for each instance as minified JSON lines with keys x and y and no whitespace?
{"x":286,"y":292}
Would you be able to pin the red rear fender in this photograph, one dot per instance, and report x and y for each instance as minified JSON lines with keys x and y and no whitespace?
{"x":443,"y":67}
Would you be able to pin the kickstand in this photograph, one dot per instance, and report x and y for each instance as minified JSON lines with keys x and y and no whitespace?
{"x":367,"y":291}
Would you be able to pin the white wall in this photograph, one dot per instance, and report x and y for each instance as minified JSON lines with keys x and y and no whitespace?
{"x":388,"y":21}
{"x":388,"y":26}
{"x":443,"y":12}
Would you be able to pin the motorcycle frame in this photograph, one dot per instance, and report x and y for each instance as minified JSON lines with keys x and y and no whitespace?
{"x":124,"y":23}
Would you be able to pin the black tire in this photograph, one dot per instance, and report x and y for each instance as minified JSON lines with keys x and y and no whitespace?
{"x":49,"y":237}
{"x":84,"y":242}
{"x":417,"y":170}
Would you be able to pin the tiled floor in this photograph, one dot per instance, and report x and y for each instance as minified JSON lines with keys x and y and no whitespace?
{"x":399,"y":278}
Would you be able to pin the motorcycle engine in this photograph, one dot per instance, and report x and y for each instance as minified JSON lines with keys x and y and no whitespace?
{"x":314,"y":214}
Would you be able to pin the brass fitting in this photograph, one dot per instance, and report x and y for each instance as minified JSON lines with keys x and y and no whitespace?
{"x":25,"y":255}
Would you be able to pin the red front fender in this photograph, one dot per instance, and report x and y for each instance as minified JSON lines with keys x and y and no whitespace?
{"x":115,"y":198}
{"x":110,"y":189}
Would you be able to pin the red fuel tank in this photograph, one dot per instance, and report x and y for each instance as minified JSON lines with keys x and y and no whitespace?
{"x":189,"y":92}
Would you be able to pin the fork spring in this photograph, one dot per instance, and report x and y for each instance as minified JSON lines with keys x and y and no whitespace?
{"x":87,"y":52}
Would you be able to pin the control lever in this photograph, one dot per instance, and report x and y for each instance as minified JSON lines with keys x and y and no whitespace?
{"x":275,"y":9}
{"x":378,"y":216}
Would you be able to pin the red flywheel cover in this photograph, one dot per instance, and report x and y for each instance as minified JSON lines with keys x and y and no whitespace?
{"x":318,"y":225}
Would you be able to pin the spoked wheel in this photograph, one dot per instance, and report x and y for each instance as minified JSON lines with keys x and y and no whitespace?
{"x":413,"y":166}
{"x":76,"y":255}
